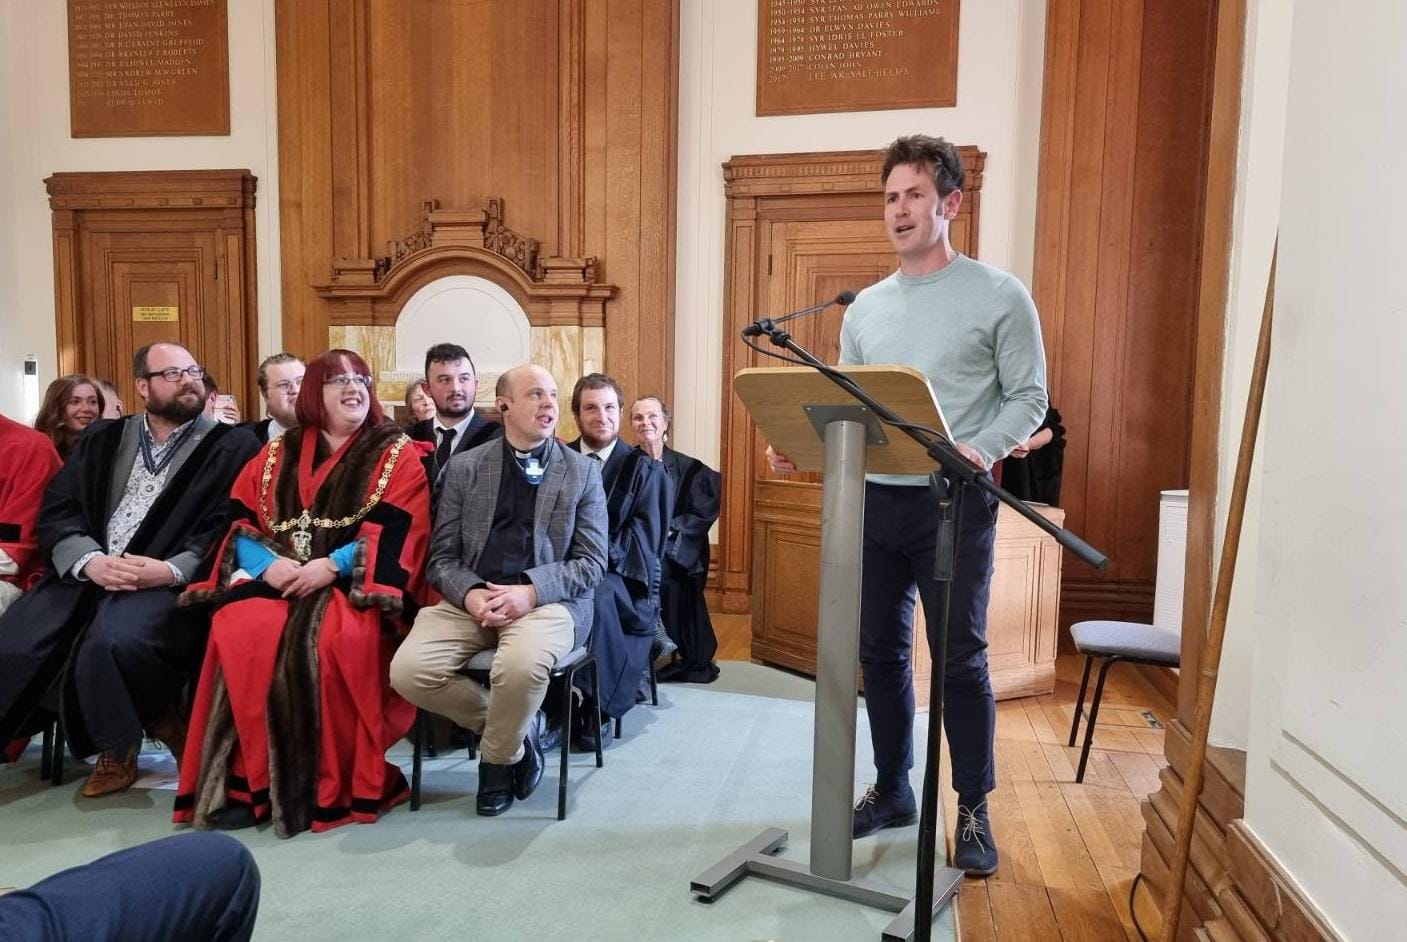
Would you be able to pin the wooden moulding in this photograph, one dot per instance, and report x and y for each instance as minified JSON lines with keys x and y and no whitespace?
{"x":554,"y":292}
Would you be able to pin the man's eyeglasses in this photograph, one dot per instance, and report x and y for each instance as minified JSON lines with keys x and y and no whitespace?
{"x":173,"y":374}
{"x":287,"y":386}
{"x":343,"y":379}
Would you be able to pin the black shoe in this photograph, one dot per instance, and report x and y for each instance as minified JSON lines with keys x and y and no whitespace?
{"x":974,"y":849}
{"x":495,"y":789}
{"x":586,"y":739}
{"x":663,"y":645}
{"x":527,"y":771}
{"x":232,"y":818}
{"x":878,"y":810}
{"x":550,"y":739}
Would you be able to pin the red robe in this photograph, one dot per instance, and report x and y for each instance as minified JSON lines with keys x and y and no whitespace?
{"x":294,"y":711}
{"x":27,"y":462}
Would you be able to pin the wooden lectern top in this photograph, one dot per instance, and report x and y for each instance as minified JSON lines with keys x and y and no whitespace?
{"x":777,"y":397}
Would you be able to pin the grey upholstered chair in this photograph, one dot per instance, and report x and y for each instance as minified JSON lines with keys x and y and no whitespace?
{"x":1116,"y":641}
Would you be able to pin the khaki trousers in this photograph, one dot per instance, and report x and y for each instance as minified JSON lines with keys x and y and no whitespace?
{"x":444,"y":638}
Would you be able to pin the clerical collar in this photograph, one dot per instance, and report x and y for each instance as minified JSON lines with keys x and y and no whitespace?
{"x":602,"y":453}
{"x":532,"y":464}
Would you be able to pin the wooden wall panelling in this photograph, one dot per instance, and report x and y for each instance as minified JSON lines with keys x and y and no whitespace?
{"x":165,"y":238}
{"x":564,"y":110}
{"x":806,"y":216}
{"x":1124,"y":125}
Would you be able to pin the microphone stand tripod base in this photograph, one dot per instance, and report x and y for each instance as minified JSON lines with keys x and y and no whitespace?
{"x":758,"y":858}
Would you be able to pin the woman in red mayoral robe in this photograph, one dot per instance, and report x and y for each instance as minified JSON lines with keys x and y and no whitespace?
{"x":318,"y":578}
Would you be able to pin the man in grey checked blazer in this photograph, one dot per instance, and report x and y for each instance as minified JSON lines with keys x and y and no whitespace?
{"x":519,"y":546}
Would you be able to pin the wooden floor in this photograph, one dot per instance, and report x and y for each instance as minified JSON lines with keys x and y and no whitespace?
{"x":1068,"y":852}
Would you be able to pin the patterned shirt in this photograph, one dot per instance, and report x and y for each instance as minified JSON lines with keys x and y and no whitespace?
{"x":142,"y":490}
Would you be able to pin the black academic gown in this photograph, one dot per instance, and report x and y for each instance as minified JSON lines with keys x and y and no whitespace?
{"x":697,"y":497}
{"x":480,"y":430}
{"x":106,"y":693}
{"x":1037,"y":476}
{"x":259,"y":428}
{"x":627,"y":601}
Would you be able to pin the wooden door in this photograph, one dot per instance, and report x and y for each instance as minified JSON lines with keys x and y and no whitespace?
{"x":146,"y":257}
{"x":159,"y":286}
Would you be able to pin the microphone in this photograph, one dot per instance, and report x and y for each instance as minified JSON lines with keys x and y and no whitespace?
{"x":766,"y":325}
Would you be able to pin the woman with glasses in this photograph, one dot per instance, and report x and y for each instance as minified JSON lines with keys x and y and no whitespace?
{"x":321,"y":571}
{"x":71,"y":404}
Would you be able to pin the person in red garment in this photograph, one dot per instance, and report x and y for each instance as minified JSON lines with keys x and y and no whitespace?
{"x":27,"y":462}
{"x":320,"y":574}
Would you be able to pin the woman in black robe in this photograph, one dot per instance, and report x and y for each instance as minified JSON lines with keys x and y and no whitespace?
{"x":1032,"y":471}
{"x":696,"y":493}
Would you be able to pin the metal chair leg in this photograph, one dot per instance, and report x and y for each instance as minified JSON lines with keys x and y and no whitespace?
{"x":1094,"y":715}
{"x":56,"y":754}
{"x":654,"y":685}
{"x":1080,"y":703}
{"x":416,"y":740}
{"x":569,"y":705}
{"x":596,"y":700}
{"x":46,"y":748}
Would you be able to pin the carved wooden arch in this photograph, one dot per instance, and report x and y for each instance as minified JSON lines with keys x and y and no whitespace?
{"x":554,"y":292}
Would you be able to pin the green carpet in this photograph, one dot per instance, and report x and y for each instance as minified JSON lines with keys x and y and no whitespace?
{"x":691,"y":780}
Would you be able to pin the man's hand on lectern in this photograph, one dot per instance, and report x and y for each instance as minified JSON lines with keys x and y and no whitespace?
{"x":779,"y":463}
{"x":972,"y":455}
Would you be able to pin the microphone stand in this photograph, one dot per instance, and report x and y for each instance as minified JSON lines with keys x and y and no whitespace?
{"x":949,"y":485}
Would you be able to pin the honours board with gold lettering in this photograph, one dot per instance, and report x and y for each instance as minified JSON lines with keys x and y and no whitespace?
{"x":141,"y":68}
{"x":817,"y":56}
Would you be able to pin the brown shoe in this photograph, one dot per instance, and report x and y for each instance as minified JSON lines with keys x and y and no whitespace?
{"x":170,"y":731}
{"x":111,"y":775}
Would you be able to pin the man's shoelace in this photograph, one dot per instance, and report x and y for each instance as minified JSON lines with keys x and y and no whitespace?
{"x":971,"y":828}
{"x":867,"y":799}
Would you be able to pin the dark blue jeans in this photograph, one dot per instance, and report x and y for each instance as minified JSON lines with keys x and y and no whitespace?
{"x":189,"y":886}
{"x":900,"y":533}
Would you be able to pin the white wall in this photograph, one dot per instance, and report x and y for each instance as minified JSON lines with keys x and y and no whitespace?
{"x":34,"y":123}
{"x":1327,"y":758}
{"x":1000,"y":62}
{"x":1257,"y":215}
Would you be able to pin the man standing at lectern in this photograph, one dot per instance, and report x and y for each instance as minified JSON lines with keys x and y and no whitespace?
{"x":973,"y":331}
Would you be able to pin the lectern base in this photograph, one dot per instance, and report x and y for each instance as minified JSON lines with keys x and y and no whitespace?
{"x":757,"y":857}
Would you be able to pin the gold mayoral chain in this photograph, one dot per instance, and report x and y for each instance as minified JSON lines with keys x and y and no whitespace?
{"x":302,"y":537}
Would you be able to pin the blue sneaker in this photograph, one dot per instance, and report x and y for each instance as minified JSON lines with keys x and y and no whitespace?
{"x":876,"y":811}
{"x":974,"y":850}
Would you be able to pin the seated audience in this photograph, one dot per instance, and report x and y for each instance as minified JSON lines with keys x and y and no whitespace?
{"x":322,"y":567}
{"x":71,"y":404}
{"x":113,"y":408}
{"x":696,"y":488}
{"x":125,"y":523}
{"x":419,"y":406}
{"x":627,"y":603}
{"x":455,"y":428}
{"x":519,"y":546}
{"x":220,"y":406}
{"x":192,"y":886}
{"x":280,"y":377}
{"x":27,"y":462}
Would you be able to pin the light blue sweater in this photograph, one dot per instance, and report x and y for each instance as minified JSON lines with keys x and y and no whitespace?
{"x":973,"y":331}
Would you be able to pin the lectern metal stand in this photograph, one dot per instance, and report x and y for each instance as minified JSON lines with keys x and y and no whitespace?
{"x":848,"y":429}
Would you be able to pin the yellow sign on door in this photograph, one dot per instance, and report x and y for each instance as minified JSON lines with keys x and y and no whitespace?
{"x":155,"y":313}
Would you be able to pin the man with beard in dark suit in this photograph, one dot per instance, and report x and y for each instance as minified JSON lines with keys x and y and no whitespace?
{"x":452,"y":382}
{"x":627,"y":602}
{"x":127,"y":521}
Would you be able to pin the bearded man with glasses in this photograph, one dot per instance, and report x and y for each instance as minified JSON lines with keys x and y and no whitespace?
{"x":127,"y":522}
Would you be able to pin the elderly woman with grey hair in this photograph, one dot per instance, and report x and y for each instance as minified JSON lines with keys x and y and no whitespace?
{"x":696,"y":489}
